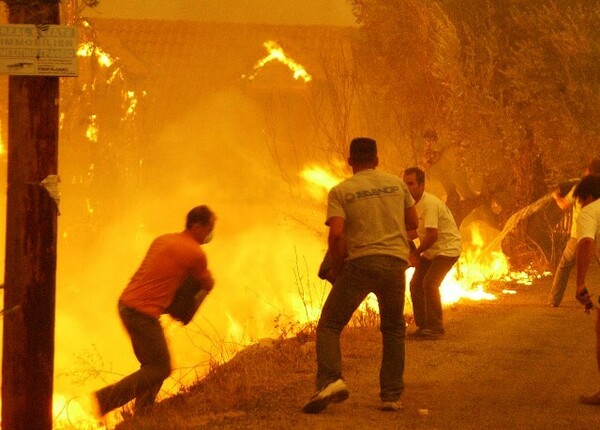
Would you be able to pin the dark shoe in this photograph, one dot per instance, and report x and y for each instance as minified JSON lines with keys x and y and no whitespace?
{"x":392,"y":406}
{"x":594,"y":399}
{"x":552,"y":305}
{"x":333,"y":393}
{"x":417,"y":334}
{"x":432,"y":334}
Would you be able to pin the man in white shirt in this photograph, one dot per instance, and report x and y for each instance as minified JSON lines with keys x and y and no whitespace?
{"x":439,"y":247}
{"x":567,"y":260}
{"x":588,"y":232}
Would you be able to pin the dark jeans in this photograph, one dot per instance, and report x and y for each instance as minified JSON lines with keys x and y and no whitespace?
{"x":425,"y":291}
{"x":384,"y":276}
{"x":150,"y":348}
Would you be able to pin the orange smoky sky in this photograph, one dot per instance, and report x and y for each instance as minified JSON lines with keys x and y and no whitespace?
{"x":290,"y":12}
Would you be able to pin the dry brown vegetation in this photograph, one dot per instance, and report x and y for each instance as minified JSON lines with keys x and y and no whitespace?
{"x":258,"y":377}
{"x":510,"y":363}
{"x":255,"y":377}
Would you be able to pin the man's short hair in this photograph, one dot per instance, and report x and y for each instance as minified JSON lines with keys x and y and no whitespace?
{"x":588,"y":186}
{"x":199,"y":215}
{"x":419,"y":174}
{"x":363,"y":150}
{"x":593,"y":167}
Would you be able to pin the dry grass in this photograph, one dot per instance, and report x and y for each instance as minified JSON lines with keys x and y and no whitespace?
{"x":253,"y":377}
{"x":247,"y":382}
{"x":265,"y":385}
{"x":241,"y":384}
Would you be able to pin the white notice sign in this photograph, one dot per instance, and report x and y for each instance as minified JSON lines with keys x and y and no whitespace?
{"x":44,"y":50}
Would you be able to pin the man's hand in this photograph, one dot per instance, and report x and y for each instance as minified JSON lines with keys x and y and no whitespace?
{"x":200,"y":296}
{"x":583,"y":296}
{"x":331,"y":276}
{"x":414,"y":258}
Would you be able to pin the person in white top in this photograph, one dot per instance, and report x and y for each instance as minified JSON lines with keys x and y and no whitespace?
{"x":588,"y":234}
{"x":567,"y":260}
{"x":440,"y":245}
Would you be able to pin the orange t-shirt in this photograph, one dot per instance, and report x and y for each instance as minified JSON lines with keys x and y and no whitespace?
{"x":170,"y":259}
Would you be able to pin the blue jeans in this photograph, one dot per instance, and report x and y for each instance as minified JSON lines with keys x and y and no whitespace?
{"x":384,"y":276}
{"x":150,"y":348}
{"x":561,"y":277}
{"x":425,"y":291}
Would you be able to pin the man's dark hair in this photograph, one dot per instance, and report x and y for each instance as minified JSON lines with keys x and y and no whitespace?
{"x":363,"y":150}
{"x":589,"y":186}
{"x":419,"y":174}
{"x":594,"y":166}
{"x":198,"y":215}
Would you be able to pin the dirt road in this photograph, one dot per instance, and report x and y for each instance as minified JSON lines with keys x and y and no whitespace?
{"x":513,"y":363}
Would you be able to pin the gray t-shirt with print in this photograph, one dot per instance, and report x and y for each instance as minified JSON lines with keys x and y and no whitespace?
{"x":372,"y":204}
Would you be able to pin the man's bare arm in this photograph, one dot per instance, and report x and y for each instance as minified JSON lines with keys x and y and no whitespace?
{"x":431,"y":236}
{"x":202,"y":274}
{"x":562,"y":202}
{"x":411,"y":218}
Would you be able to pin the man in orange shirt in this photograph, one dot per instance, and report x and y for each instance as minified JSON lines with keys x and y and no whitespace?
{"x":170,"y":260}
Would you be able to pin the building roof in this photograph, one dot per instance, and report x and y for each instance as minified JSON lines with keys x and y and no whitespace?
{"x":183,"y":58}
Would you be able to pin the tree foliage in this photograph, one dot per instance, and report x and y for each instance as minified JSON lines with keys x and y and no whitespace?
{"x":505,"y":89}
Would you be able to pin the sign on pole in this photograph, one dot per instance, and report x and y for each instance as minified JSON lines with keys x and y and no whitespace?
{"x":38,"y":50}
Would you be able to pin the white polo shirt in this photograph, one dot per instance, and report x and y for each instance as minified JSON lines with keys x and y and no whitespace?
{"x":433,"y":213}
{"x":588,"y":222}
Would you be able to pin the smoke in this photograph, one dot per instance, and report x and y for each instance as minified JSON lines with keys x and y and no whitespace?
{"x":267,"y":247}
{"x":269,"y":236}
{"x":293,"y":12}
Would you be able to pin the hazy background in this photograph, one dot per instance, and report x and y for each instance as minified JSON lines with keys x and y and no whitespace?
{"x":269,"y":237}
{"x":293,"y":12}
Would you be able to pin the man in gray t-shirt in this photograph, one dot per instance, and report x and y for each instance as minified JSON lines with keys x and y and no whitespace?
{"x":368,"y":217}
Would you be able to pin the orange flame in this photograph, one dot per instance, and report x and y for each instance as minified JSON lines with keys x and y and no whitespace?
{"x":319,"y":181}
{"x":92,"y":129}
{"x":276,"y":53}
{"x":76,"y":413}
{"x":103,"y":58}
{"x":2,"y":146}
{"x":468,"y":278}
{"x":88,"y":49}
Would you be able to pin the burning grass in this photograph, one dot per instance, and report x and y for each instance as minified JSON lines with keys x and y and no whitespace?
{"x":256,"y":375}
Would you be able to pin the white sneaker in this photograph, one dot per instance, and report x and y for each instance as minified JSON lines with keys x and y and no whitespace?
{"x":333,"y":393}
{"x":392,"y":406}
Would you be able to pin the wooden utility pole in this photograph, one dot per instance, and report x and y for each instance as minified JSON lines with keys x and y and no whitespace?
{"x":31,"y":220}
